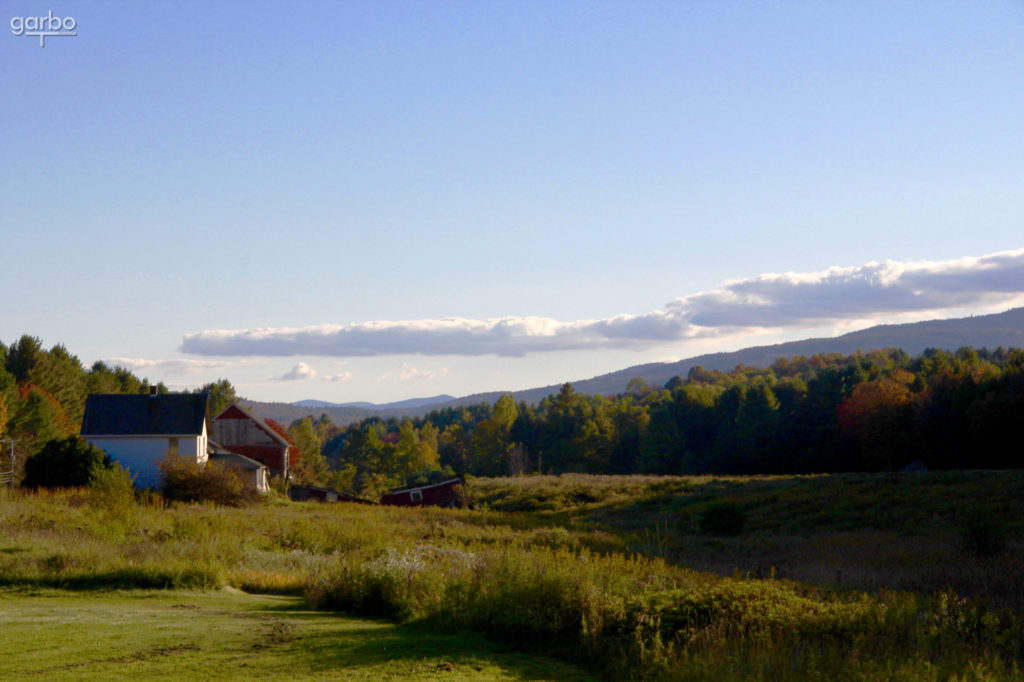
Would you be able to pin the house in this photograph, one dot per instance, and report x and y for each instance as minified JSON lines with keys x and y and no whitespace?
{"x":444,"y":494}
{"x":136,"y":430}
{"x":252,"y":473}
{"x":240,"y":431}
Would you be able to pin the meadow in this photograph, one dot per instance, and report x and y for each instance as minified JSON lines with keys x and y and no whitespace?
{"x":830,"y":577}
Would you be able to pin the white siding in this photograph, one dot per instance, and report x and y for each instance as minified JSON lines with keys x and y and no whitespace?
{"x":194,"y":447}
{"x":139,"y":454}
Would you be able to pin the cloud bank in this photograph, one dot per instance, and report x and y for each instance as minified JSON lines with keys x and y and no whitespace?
{"x":771,"y":301}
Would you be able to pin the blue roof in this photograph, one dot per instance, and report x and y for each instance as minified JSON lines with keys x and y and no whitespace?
{"x":144,"y":415}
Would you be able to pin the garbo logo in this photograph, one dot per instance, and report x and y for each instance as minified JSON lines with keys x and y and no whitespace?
{"x":44,"y":27}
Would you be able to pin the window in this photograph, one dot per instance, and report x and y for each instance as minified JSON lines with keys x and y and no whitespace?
{"x":172,"y":446}
{"x":416,"y":495}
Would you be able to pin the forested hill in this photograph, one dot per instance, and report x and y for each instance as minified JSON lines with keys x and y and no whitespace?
{"x":983,"y":331}
{"x":286,"y":413}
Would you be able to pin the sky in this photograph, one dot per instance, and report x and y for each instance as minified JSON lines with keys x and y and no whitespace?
{"x":373,"y":201}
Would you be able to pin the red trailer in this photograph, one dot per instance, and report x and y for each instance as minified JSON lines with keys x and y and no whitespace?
{"x":444,"y":494}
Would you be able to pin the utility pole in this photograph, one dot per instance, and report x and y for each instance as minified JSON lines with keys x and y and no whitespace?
{"x":8,"y":476}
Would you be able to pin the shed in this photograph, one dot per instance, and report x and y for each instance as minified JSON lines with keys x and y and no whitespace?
{"x":253,"y":474}
{"x":303,"y":493}
{"x":444,"y":494}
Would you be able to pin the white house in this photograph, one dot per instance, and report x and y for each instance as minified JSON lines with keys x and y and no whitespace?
{"x":137,"y":430}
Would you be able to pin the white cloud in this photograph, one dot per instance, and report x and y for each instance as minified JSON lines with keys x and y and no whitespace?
{"x":173,"y":366}
{"x":343,"y":376}
{"x":771,"y":301}
{"x":299,"y":372}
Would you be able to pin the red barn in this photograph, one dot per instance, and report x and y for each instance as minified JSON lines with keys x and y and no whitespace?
{"x":239,"y":430}
{"x":444,"y":494}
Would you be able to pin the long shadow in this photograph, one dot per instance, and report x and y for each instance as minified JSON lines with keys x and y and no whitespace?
{"x":359,"y":642}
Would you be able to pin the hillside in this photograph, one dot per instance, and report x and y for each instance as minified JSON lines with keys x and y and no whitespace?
{"x":983,"y":331}
{"x":286,"y":413}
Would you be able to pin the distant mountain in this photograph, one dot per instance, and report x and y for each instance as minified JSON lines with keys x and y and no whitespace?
{"x":286,"y":413}
{"x":982,"y":331}
{"x":324,"y":403}
{"x":399,"y":405}
{"x":416,"y":402}
{"x":341,"y":414}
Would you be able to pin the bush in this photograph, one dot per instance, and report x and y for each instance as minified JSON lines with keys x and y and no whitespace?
{"x":64,"y":463}
{"x":186,"y":480}
{"x":723,"y":518}
{"x":983,"y":533}
{"x":112,"y":497}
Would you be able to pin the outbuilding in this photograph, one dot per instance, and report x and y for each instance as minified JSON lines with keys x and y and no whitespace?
{"x":239,"y":430}
{"x":444,"y":494}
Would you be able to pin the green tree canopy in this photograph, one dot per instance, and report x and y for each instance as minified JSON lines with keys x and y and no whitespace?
{"x":63,"y":463}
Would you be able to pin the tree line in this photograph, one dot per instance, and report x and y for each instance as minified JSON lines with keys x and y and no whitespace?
{"x":870,"y":411}
{"x":43,"y":393}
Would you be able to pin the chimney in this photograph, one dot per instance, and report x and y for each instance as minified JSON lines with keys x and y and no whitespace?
{"x":152,"y":391}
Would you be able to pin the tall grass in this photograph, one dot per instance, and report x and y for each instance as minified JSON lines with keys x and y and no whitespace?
{"x":561,"y":581}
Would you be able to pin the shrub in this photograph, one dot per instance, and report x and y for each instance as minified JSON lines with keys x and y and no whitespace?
{"x":64,"y":463}
{"x":723,"y":518}
{"x":112,"y":496}
{"x":983,"y":533}
{"x":186,"y":480}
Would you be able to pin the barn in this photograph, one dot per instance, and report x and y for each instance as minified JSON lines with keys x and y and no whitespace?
{"x":239,"y":430}
{"x":444,"y":494}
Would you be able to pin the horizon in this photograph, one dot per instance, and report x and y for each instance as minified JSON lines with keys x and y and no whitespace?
{"x":407,"y":199}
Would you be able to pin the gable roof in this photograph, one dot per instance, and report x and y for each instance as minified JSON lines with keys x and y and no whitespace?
{"x":239,"y":461}
{"x":236,"y":411}
{"x":144,"y":415}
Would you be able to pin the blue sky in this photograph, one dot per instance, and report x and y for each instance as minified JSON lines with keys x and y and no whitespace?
{"x":381,"y":200}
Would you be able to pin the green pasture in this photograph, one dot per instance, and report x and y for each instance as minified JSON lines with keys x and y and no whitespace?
{"x":866,"y":577}
{"x":222,"y":635}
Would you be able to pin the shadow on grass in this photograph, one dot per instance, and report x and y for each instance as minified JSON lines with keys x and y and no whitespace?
{"x":411,"y":649}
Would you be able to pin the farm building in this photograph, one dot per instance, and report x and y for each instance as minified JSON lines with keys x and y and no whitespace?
{"x":239,"y":430}
{"x":444,"y":494}
{"x":137,"y":430}
{"x":304,"y":493}
{"x":252,"y":473}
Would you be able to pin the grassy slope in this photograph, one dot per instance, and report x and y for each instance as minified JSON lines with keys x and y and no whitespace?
{"x":866,"y":531}
{"x":226,"y":636}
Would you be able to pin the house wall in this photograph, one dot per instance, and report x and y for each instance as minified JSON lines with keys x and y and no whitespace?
{"x":139,"y":454}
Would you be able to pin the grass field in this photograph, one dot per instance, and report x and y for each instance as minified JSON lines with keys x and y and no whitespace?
{"x":221,"y":635}
{"x":862,"y":531}
{"x":840,"y":577}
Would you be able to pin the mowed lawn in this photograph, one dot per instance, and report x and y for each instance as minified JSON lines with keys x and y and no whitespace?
{"x":227,"y":635}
